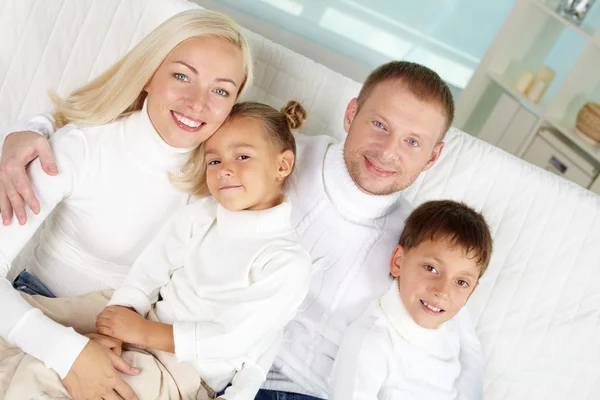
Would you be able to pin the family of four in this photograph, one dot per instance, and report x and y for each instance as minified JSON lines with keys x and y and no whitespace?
{"x":191,"y":246}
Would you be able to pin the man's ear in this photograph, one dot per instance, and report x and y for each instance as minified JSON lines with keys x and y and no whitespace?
{"x":435,"y":155}
{"x":396,"y":261}
{"x":351,"y":110}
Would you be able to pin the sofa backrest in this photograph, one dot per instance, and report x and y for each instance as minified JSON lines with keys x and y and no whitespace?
{"x":537,"y":309}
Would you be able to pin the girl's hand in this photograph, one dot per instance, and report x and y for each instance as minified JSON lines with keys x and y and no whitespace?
{"x":122,"y":323}
{"x":115,"y":345}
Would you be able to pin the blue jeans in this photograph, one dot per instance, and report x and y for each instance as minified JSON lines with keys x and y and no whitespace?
{"x":29,"y":284}
{"x":275,"y":395}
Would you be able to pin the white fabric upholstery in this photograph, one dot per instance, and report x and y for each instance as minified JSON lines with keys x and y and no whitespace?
{"x":537,"y":309}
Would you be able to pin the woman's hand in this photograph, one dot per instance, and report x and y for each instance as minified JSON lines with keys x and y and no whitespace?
{"x":95,"y":375}
{"x":122,"y":323}
{"x":19,"y":149}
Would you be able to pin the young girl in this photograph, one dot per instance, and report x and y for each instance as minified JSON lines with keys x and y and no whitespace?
{"x":221,"y":279}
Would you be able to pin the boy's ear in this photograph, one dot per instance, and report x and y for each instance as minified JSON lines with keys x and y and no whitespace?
{"x":396,"y":261}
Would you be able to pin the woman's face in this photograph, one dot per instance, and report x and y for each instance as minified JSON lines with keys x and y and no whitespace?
{"x":194,"y":89}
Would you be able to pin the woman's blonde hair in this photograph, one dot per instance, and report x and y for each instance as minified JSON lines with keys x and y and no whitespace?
{"x":277,"y":124}
{"x":120,"y":90}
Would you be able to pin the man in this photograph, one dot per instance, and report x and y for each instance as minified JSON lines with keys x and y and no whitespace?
{"x":348,"y":211}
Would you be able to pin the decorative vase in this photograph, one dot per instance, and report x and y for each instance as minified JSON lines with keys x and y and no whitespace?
{"x":574,"y":10}
{"x":588,"y":121}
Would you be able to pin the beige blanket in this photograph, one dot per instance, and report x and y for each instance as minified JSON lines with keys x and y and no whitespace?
{"x":23,"y":377}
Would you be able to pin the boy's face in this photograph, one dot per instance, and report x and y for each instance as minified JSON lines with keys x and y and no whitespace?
{"x":435,"y":280}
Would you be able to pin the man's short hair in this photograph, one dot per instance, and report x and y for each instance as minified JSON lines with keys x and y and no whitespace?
{"x":422,"y":82}
{"x":454,"y":222}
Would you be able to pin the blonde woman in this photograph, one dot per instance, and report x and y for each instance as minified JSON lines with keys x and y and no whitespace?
{"x":125,"y":139}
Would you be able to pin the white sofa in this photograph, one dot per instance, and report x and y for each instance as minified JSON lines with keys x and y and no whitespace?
{"x":537,"y":309}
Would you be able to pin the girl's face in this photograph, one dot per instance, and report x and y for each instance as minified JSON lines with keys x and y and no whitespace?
{"x":245,"y":170}
{"x":194,"y":89}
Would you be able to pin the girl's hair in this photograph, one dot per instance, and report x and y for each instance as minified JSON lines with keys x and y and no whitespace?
{"x":120,"y":90}
{"x":278,"y":126}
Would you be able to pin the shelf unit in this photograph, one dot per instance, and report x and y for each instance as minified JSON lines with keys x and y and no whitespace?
{"x":534,"y":34}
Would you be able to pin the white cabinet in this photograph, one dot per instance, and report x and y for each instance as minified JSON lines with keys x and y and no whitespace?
{"x":551,"y":153}
{"x":508,"y":125}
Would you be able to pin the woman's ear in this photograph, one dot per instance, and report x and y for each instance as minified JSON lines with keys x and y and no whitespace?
{"x":286,"y":164}
{"x":396,"y":261}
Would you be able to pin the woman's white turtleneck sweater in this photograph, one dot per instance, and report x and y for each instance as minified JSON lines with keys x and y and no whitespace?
{"x":111,"y":196}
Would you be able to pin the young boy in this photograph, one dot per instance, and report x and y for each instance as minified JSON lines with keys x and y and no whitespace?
{"x":406,"y":344}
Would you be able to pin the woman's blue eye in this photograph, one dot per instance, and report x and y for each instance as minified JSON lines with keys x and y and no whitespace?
{"x":222,"y":92}
{"x":180,"y":77}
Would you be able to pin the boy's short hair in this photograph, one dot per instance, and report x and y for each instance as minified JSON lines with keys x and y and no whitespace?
{"x":424,"y":83}
{"x":449,"y":220}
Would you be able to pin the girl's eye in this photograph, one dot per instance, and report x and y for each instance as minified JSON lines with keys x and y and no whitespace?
{"x":180,"y":77}
{"x":462,"y":283}
{"x":429,"y":268}
{"x":222,"y":92}
{"x":214,"y":162}
{"x":413,"y":142}
{"x":243,"y":157}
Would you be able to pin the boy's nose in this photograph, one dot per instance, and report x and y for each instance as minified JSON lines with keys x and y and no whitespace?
{"x":440,"y":289}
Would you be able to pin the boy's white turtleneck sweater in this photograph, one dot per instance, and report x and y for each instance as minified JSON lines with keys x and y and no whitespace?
{"x":111,"y":196}
{"x":229,"y":281}
{"x":386,"y":355}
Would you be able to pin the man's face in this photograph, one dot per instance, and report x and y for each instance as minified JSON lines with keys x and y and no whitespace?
{"x":391,"y":139}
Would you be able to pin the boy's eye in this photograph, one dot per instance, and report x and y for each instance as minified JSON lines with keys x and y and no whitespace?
{"x":462,"y":283}
{"x":243,"y":157}
{"x":431,"y":269}
{"x":180,"y":77}
{"x":222,"y":92}
{"x":214,"y":162}
{"x":412,"y":143}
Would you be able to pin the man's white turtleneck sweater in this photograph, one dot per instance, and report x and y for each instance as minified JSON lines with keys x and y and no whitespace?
{"x":386,"y":355}
{"x":350,"y":237}
{"x":111,"y":196}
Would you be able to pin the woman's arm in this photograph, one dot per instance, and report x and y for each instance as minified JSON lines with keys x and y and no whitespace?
{"x":21,"y":324}
{"x":22,"y":143}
